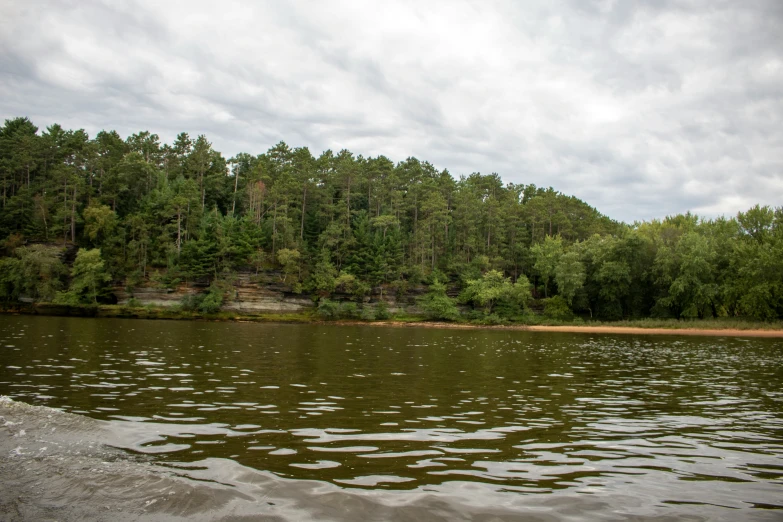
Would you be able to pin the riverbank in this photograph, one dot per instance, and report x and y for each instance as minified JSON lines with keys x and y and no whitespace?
{"x":705,"y":327}
{"x":695,"y":329}
{"x":722,"y":332}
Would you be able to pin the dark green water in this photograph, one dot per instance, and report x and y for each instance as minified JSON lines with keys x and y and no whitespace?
{"x":689,"y":420}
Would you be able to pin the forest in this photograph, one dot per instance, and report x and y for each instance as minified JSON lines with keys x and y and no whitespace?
{"x":80,"y":216}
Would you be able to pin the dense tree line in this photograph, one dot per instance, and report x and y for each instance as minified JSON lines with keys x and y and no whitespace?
{"x":140,"y":211}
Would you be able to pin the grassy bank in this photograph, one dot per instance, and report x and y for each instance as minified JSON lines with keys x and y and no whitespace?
{"x":724,"y":323}
{"x":536,"y":322}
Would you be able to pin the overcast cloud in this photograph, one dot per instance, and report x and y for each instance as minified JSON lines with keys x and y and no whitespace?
{"x":643,"y":109}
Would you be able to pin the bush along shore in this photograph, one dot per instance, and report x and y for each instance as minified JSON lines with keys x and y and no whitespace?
{"x":368,"y":315}
{"x":88,"y":221}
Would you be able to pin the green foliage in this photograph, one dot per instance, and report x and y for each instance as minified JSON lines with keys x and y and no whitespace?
{"x":212,"y":301}
{"x":289,"y":260}
{"x":437,"y":305}
{"x":557,"y":308}
{"x":198,"y":259}
{"x":400,"y":287}
{"x":755,"y":287}
{"x":569,"y":275}
{"x":8,"y":285}
{"x":328,"y":309}
{"x":209,"y":302}
{"x":99,"y":222}
{"x":367,"y":313}
{"x":692,"y":292}
{"x":35,"y":272}
{"x":611,"y":269}
{"x":68,"y":299}
{"x":345,"y":282}
{"x":382,"y":311}
{"x":345,"y":224}
{"x":323,"y":279}
{"x":167,"y":279}
{"x":89,"y":279}
{"x":493,"y":319}
{"x":547,"y":256}
{"x":349,"y":310}
{"x":361,"y":289}
{"x":497,"y":294}
{"x":348,"y":283}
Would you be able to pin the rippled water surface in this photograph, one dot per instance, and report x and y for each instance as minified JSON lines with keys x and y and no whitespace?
{"x":690,"y":421}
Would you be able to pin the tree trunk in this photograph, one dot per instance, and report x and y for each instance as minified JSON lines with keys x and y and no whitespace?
{"x":234,"y":203}
{"x":187,"y":226}
{"x":274,"y":230}
{"x":65,"y":206}
{"x":432,"y":234}
{"x":348,"y":200}
{"x":489,"y":226}
{"x":203,"y":192}
{"x":304,"y":202}
{"x":446,"y":224}
{"x":73,"y":216}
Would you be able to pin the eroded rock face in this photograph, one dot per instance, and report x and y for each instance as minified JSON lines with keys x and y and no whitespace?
{"x":252,"y":297}
{"x":156,"y":296}
{"x":265,"y":293}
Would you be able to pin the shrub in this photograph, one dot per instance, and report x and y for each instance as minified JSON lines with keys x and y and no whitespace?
{"x":345,"y":282}
{"x":400,"y":287}
{"x":328,"y":309}
{"x":67,"y":298}
{"x":382,"y":311}
{"x":167,"y":279}
{"x":367,"y":313}
{"x":349,"y":310}
{"x":474,"y":316}
{"x":497,"y":295}
{"x":557,"y":308}
{"x":212,"y":301}
{"x":415,"y":275}
{"x":437,"y":305}
{"x":494,"y":319}
{"x":209,"y":302}
{"x":190,"y":302}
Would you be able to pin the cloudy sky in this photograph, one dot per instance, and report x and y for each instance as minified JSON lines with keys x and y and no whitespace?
{"x":643,"y":109}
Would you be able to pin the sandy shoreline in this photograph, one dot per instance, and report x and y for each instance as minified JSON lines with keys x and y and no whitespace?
{"x":602,"y":329}
{"x":729,"y":332}
{"x":623,"y":330}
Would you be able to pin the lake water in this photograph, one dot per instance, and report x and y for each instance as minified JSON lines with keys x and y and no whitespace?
{"x":570,"y":426}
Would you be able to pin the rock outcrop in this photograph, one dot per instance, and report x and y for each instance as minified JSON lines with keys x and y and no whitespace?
{"x":253,"y":293}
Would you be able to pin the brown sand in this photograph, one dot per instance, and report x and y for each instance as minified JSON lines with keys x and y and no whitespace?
{"x":658,"y":331}
{"x":626,"y":330}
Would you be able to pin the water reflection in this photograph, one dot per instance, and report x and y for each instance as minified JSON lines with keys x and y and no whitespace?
{"x":698,"y":420}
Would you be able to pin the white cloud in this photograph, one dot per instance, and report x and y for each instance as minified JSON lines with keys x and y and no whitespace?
{"x":642,"y":111}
